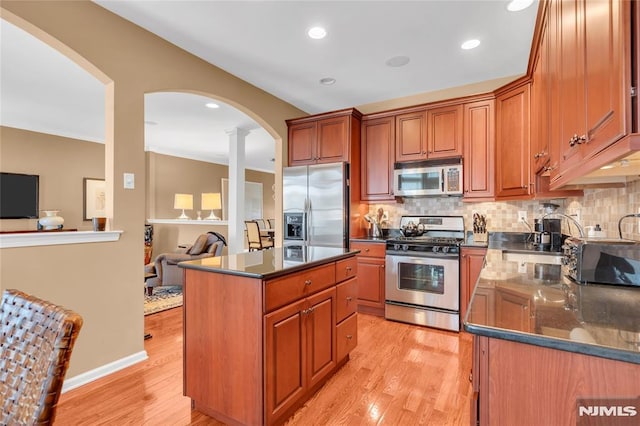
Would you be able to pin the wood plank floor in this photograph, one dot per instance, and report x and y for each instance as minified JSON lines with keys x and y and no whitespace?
{"x":398,"y":375}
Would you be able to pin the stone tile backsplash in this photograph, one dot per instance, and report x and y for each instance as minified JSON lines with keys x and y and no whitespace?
{"x":598,"y":206}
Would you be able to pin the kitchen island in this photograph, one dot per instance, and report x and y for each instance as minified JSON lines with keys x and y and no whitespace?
{"x":264,"y":330}
{"x":544,"y":345}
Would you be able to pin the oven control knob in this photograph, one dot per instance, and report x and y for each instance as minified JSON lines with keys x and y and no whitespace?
{"x":445,"y":249}
{"x":405,"y":247}
{"x":396,"y":247}
{"x":436,"y":249}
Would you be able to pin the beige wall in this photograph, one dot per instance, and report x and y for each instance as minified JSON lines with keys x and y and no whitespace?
{"x":131,"y":62}
{"x":57,"y":161}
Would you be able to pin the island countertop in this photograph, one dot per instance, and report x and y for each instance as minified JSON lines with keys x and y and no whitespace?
{"x":271,"y":263}
{"x":538,"y":304}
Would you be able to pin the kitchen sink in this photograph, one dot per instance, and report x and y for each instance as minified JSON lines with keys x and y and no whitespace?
{"x":524,"y":257}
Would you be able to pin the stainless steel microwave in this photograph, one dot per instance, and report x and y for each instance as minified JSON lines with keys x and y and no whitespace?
{"x":427,"y":180}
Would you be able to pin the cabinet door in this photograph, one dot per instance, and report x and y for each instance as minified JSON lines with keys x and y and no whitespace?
{"x":479,"y":150}
{"x":321,"y":337}
{"x":302,"y":143}
{"x":514,"y":310}
{"x":571,"y":84}
{"x":472,"y":260}
{"x":605,"y":32}
{"x":444,"y":132}
{"x":333,"y":140}
{"x":512,"y":139}
{"x":378,"y":151}
{"x":540,"y":107}
{"x":346,"y":298}
{"x":285,"y":347}
{"x":411,"y":136}
{"x":371,"y":282}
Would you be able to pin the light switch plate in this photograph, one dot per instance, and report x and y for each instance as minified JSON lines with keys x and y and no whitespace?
{"x":129,"y":181}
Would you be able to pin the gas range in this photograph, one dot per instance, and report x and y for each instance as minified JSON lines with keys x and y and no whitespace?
{"x":428,"y":235}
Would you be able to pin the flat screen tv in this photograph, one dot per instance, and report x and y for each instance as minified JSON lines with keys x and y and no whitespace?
{"x":18,"y":196}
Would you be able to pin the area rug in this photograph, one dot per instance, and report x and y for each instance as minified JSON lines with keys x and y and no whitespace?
{"x":163,"y":298}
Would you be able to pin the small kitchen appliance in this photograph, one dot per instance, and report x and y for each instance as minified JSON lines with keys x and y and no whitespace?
{"x":423,"y":272}
{"x":602,"y":261}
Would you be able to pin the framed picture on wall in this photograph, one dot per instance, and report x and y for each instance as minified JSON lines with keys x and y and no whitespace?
{"x":94,"y":199}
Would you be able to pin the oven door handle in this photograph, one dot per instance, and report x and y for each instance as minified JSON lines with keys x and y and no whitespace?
{"x":413,"y":255}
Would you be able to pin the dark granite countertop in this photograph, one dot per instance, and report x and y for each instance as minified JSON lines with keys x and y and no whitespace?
{"x":369,"y":240}
{"x":267,"y":264}
{"x":535,"y":303}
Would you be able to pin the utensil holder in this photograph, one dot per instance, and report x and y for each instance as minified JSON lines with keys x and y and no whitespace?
{"x":480,"y":237}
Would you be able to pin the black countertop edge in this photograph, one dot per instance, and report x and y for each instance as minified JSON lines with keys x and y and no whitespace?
{"x":553,"y":343}
{"x":269,"y":275}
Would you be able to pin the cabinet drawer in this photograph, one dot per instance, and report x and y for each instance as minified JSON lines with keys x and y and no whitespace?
{"x":347,"y":336}
{"x":346,"y":299}
{"x":369,"y":249}
{"x":347,"y":268}
{"x":280,"y":291}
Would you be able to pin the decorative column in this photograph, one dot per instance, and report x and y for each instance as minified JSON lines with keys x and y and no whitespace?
{"x":235,"y":210}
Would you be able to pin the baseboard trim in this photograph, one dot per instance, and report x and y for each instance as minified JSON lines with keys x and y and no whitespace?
{"x":102,"y":371}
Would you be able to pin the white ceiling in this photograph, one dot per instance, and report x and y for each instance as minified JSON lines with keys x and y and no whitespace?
{"x":265,"y":43}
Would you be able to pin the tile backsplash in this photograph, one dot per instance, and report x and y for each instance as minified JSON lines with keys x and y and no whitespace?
{"x":598,"y":206}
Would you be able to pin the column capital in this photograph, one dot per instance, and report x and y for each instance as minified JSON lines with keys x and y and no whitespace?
{"x":237,"y":131}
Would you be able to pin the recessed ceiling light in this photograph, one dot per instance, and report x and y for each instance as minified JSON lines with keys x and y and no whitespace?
{"x":470,"y":44}
{"x":397,"y":61}
{"x":212,"y":105}
{"x":327,"y":81}
{"x":518,"y":5}
{"x":608,"y":166}
{"x":317,"y":33}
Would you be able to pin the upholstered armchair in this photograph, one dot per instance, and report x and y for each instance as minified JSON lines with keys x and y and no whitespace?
{"x":166,"y":266}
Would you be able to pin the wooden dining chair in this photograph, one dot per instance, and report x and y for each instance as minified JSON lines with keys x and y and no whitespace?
{"x":272,"y":223}
{"x":36,"y":340}
{"x":255,"y":239}
{"x":260,"y":223}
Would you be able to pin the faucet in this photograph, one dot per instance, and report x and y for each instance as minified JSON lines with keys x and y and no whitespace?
{"x":566,"y":216}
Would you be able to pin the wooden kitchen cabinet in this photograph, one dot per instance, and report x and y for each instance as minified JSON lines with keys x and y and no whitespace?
{"x":377,"y":155}
{"x":593,"y":48}
{"x":324,"y":138}
{"x":444,"y":132}
{"x":514,"y":310}
{"x":505,"y":373}
{"x":371,"y":276}
{"x":471,"y":262}
{"x":257,"y":348}
{"x":512,"y":142}
{"x":479,"y":150}
{"x":411,"y":136}
{"x":300,"y":349}
{"x":540,"y":106}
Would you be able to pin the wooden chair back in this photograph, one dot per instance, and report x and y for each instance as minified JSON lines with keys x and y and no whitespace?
{"x":253,"y":235}
{"x":36,"y":341}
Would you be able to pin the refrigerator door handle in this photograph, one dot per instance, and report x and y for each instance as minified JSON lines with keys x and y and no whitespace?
{"x":309,"y":221}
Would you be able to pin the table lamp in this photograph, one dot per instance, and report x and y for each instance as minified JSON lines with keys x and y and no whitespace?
{"x":183,"y":201}
{"x":211,"y":201}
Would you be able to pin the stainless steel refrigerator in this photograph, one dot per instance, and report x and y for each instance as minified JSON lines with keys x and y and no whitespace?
{"x":316,"y":205}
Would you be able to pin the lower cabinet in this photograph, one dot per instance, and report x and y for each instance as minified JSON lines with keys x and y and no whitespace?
{"x":521,"y":384}
{"x":471,"y":262}
{"x":371,"y":276}
{"x":300,"y":349}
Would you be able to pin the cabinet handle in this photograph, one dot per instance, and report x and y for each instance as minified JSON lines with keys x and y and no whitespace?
{"x":349,"y":337}
{"x":524,"y":186}
{"x":348,"y":268}
{"x":471,"y":377}
{"x":577,"y":140}
{"x":382,"y":266}
{"x":307,"y":282}
{"x":305,"y":311}
{"x":366,"y":250}
{"x":537,"y":155}
{"x":349,"y":298}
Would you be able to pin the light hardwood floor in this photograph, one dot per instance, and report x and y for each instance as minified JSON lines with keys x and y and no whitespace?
{"x":399,"y":374}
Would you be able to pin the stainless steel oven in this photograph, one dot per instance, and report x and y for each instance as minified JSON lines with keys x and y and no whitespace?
{"x":423,"y":273}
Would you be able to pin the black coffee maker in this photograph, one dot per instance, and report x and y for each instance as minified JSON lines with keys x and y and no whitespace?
{"x":551,"y":238}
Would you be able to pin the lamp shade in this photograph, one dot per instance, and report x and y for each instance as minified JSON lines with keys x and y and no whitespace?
{"x":211,"y":201}
{"x":183,"y":201}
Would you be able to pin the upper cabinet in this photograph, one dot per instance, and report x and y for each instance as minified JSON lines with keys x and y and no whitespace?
{"x":593,"y":54}
{"x":411,"y":136}
{"x":377,"y":154}
{"x":512,"y":142}
{"x":444,"y":132}
{"x":479,"y":150}
{"x":540,"y":106}
{"x":324,"y":138}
